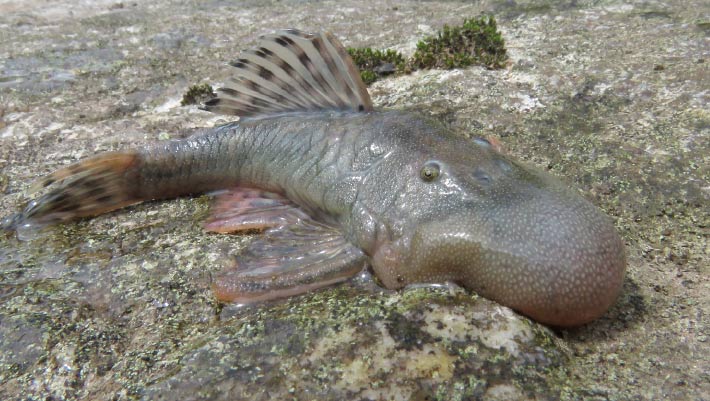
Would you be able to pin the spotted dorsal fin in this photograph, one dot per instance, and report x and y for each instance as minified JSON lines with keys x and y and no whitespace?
{"x":292,"y":71}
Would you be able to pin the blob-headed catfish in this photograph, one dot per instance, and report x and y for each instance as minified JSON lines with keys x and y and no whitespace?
{"x":335,"y":186}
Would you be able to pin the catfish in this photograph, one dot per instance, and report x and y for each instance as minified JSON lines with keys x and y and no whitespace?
{"x":335,"y":186}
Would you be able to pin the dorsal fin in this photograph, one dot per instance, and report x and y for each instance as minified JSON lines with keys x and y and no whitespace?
{"x":292,"y":71}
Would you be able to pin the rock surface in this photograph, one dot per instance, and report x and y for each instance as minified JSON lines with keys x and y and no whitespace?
{"x":611,"y":95}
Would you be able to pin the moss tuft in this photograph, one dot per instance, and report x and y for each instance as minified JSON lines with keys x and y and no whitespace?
{"x":197,"y":94}
{"x":477,"y":41}
{"x":374,"y":64}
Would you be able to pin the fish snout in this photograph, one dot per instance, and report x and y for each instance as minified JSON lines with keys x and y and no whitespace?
{"x":553,"y":256}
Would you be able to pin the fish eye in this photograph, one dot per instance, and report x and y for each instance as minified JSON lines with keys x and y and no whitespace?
{"x":430,"y":171}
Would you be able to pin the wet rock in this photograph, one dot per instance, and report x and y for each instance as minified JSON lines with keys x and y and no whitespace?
{"x":339,"y":344}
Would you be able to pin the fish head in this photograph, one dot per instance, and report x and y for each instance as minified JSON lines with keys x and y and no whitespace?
{"x":511,"y":233}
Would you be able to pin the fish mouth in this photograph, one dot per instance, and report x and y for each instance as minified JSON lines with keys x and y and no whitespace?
{"x":553,"y":257}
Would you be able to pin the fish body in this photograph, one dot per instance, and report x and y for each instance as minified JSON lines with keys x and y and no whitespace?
{"x":338,"y":185}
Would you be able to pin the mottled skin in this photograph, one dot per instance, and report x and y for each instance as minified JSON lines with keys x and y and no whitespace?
{"x":508,"y":232}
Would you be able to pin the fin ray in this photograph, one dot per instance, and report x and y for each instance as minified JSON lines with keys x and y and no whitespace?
{"x":242,"y":209}
{"x":295,"y":254}
{"x":292,"y":71}
{"x":87,"y":188}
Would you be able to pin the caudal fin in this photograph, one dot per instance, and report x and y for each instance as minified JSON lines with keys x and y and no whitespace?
{"x":97,"y":185}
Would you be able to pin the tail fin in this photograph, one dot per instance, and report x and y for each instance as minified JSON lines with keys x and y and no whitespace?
{"x":97,"y":185}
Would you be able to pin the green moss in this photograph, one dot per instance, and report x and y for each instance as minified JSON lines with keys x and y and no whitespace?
{"x":368,"y":77}
{"x":197,"y":94}
{"x":374,"y":64}
{"x":477,"y":41}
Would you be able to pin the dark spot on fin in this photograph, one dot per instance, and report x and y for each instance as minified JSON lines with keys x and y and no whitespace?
{"x":88,"y":188}
{"x":292,"y":71}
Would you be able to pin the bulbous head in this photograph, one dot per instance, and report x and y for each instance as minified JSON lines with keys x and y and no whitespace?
{"x":511,"y":233}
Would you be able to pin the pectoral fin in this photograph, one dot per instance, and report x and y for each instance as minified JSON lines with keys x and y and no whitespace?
{"x":243,"y":209}
{"x":295,"y":254}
